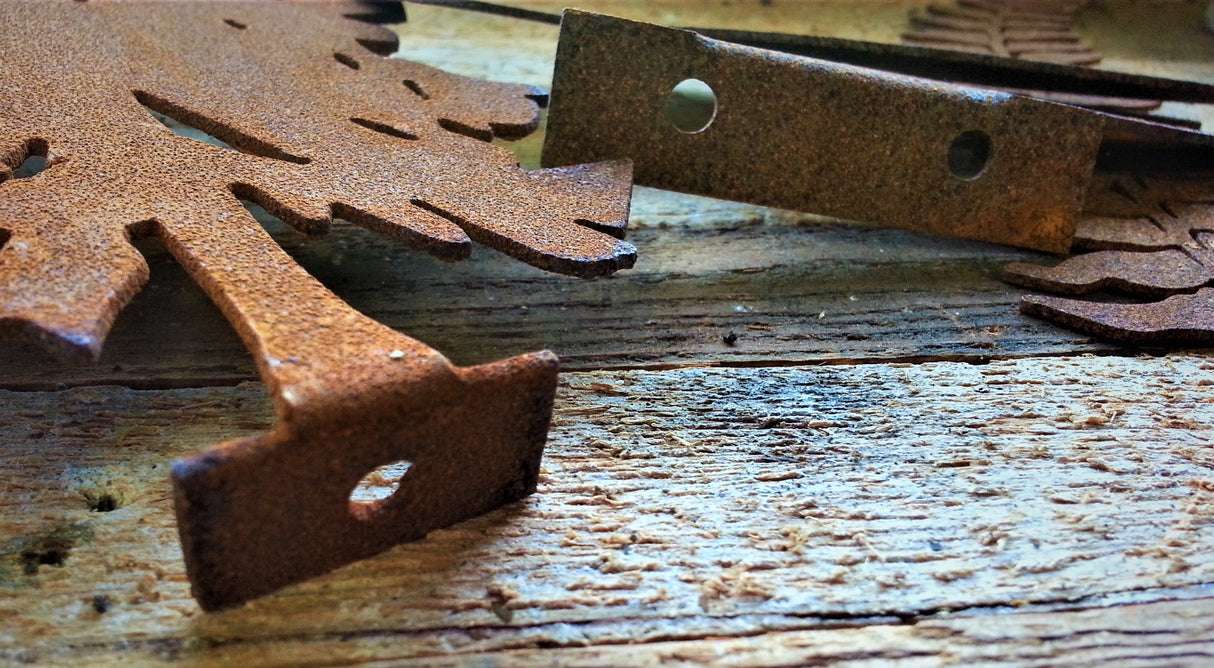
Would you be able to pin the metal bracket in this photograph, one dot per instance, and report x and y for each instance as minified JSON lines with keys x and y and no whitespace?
{"x":816,"y":135}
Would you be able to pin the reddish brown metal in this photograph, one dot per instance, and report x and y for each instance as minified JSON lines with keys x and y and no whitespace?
{"x":1185,"y":319}
{"x":1039,"y":30}
{"x":324,"y":127}
{"x":1151,"y":238}
{"x":815,"y":135}
{"x":1084,"y":86}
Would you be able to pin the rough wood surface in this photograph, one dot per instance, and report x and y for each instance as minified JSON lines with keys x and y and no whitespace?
{"x":672,"y":505}
{"x":1173,"y":633}
{"x":897,"y":468}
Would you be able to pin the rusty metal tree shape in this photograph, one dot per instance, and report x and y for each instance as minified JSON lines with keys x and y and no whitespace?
{"x":1031,"y":29}
{"x":1151,"y":238}
{"x":323,"y":126}
{"x":1041,"y":31}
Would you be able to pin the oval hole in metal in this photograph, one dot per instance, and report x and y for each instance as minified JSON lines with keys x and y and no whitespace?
{"x":377,"y":486}
{"x":691,"y":106}
{"x":968,"y":155}
{"x":34,"y":164}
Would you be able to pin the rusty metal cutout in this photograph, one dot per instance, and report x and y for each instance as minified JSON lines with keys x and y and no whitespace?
{"x":1150,"y":238}
{"x":1035,"y":31}
{"x":1183,"y":319}
{"x":1028,"y":29}
{"x":320,"y":126}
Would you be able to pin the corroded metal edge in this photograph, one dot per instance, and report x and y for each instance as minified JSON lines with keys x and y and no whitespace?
{"x":1150,"y":238}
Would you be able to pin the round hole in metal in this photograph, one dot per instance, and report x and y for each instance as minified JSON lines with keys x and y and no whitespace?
{"x":968,"y":154}
{"x":691,"y":106}
{"x":379,"y":484}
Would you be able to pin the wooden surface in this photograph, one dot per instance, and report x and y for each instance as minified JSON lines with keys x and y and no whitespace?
{"x":889,"y":465}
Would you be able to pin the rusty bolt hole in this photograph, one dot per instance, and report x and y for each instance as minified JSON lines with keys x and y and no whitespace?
{"x":968,"y":155}
{"x":35,"y":164}
{"x":691,"y":106}
{"x":377,"y":486}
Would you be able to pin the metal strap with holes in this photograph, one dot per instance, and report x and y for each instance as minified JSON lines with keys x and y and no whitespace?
{"x":814,"y":135}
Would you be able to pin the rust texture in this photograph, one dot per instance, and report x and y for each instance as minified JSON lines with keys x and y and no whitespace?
{"x":1041,"y":30}
{"x":319,"y":125}
{"x":1143,"y":237}
{"x":832,"y":138}
{"x":814,"y":135}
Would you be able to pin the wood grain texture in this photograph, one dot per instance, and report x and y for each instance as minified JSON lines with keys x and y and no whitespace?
{"x":1173,"y":633}
{"x":672,"y":505}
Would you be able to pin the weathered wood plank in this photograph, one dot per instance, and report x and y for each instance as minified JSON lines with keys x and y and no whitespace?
{"x":1169,"y":633}
{"x":713,"y":501}
{"x":1161,"y":634}
{"x":789,"y":287}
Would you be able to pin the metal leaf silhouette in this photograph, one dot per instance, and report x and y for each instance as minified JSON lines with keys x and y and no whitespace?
{"x":313,"y":123}
{"x":1150,"y":238}
{"x":1038,"y":30}
{"x":322,"y":126}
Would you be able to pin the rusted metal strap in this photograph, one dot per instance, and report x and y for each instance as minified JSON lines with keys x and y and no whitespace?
{"x":814,"y":135}
{"x":978,"y":69}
